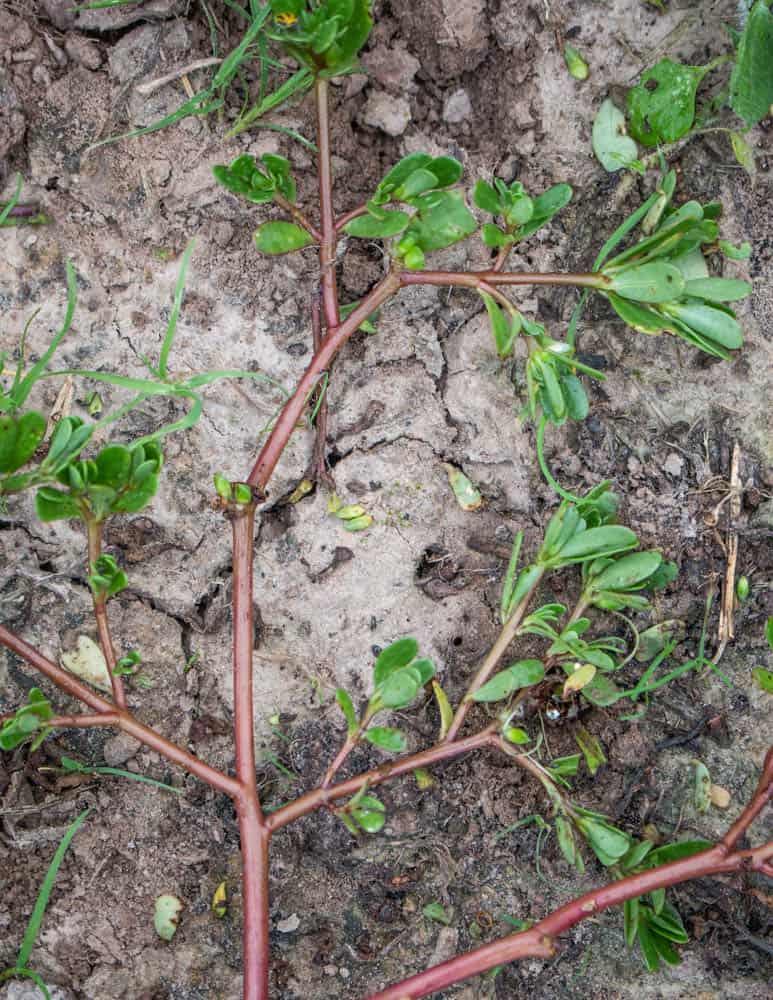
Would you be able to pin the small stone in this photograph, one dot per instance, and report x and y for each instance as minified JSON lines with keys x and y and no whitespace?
{"x":445,"y":946}
{"x":223,"y":234}
{"x":82,"y":51}
{"x":392,"y":68}
{"x":457,"y":107}
{"x":387,"y":113}
{"x":118,"y":749}
{"x":673,"y":465}
{"x":720,"y":797}
{"x":330,"y":970}
{"x":289,"y":924}
{"x":41,"y":76}
{"x":20,"y":36}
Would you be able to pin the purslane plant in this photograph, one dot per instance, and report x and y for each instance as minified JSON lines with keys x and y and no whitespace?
{"x":659,"y":284}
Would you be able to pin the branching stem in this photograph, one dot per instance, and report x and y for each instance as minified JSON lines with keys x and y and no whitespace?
{"x":94,"y":530}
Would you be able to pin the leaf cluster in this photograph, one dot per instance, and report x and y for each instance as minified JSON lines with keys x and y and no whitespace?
{"x":30,"y":718}
{"x":521,"y":214}
{"x":119,"y":480}
{"x":325,"y":36}
{"x":661,"y":284}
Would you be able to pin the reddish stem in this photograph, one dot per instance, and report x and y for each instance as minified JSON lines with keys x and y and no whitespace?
{"x":493,"y":657}
{"x":94,"y":533}
{"x":253,"y":834}
{"x":472,"y":279}
{"x":124,"y":719}
{"x":298,"y":215}
{"x":354,"y":214}
{"x":327,"y":249}
{"x":105,"y":719}
{"x":319,"y":797}
{"x":288,"y":418}
{"x":538,"y":941}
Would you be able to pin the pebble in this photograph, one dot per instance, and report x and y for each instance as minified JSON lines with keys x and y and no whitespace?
{"x":674,"y":464}
{"x":289,"y":924}
{"x":458,"y":107}
{"x":82,"y":51}
{"x":118,"y":749}
{"x":387,"y":113}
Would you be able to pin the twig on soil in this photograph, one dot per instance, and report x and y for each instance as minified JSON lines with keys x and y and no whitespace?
{"x":726,"y":630}
{"x":151,"y":86}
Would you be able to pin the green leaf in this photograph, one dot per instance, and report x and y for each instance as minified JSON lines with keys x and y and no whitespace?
{"x":742,"y":252}
{"x":751,"y":82}
{"x":675,"y":852}
{"x":19,"y":438}
{"x":504,"y":328}
{"x":565,"y":766}
{"x":631,"y":920}
{"x":443,"y":219}
{"x":718,"y":289}
{"x":595,"y":542}
{"x":658,"y":899}
{"x":764,"y":678}
{"x":606,"y":840}
{"x":399,"y":689}
{"x":591,"y":749}
{"x":628,"y":572}
{"x":712,"y":323}
{"x":575,"y":63}
{"x":743,"y":152}
{"x":567,"y":844}
{"x":508,"y":586}
{"x":486,"y":198}
{"x":447,"y":170}
{"x":369,"y":813}
{"x":495,"y":237}
{"x":346,"y":706}
{"x":515,"y":735}
{"x":417,"y":183}
{"x":613,"y":148}
{"x":403,"y":169}
{"x":368,"y":227}
{"x":601,"y":691}
{"x":653,"y":282}
{"x":522,"y":674}
{"x":386,"y":738}
{"x":638,"y":317}
{"x":281,"y":237}
{"x":53,"y":505}
{"x":398,"y":654}
{"x":467,"y":495}
{"x":436,"y":911}
{"x":647,"y":944}
{"x":635,"y":855}
{"x":575,"y":397}
{"x":769,"y":631}
{"x":662,"y":105}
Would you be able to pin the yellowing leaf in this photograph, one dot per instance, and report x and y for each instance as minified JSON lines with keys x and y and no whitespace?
{"x":720,"y":797}
{"x":467,"y":495}
{"x":220,"y":900}
{"x":444,"y":706}
{"x":88,"y":663}
{"x":583,"y":674}
{"x":166,"y":916}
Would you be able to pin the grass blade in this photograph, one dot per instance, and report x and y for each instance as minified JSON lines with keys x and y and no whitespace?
{"x":37,"y":370}
{"x":9,"y":206}
{"x":45,"y":892}
{"x":171,"y":327}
